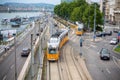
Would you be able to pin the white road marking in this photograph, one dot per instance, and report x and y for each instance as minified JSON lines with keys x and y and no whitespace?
{"x":115,"y":61}
{"x":73,"y":31}
{"x":87,"y":47}
{"x":108,"y":70}
{"x":4,"y":78}
{"x":12,"y":66}
{"x":1,"y":58}
{"x":92,"y":45}
{"x":97,"y":52}
{"x":72,"y":37}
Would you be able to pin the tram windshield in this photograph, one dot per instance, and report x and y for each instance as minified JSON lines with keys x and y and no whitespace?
{"x":53,"y":40}
{"x":52,"y":51}
{"x":79,"y":29}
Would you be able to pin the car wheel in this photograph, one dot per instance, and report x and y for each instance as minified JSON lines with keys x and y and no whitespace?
{"x":108,"y":58}
{"x":101,"y":58}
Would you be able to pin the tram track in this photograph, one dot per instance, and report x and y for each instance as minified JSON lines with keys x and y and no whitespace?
{"x":69,"y":66}
{"x":77,"y":61}
{"x":54,"y":71}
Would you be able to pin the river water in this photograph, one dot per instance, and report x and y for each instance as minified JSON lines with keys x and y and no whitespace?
{"x":20,"y":14}
{"x":13,"y":15}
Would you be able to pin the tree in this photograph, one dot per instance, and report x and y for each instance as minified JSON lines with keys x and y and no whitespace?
{"x":75,"y":14}
{"x":79,"y":10}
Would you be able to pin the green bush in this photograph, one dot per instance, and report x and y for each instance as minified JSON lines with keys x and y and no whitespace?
{"x":117,"y":49}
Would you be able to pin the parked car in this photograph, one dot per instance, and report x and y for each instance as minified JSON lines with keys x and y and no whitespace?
{"x":108,"y":33}
{"x":104,"y":54}
{"x":25,"y":52}
{"x":115,"y":30}
{"x":99,"y":34}
{"x":114,"y":41}
{"x":104,"y":34}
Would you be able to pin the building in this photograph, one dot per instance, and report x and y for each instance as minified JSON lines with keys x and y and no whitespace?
{"x":117,"y":11}
{"x":3,"y":8}
{"x":111,"y":9}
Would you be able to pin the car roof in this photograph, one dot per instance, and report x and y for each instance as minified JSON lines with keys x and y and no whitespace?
{"x":104,"y":49}
{"x":25,"y":48}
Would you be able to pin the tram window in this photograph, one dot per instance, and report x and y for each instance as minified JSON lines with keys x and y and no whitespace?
{"x":52,"y":51}
{"x":79,"y":29}
{"x":53,"y":41}
{"x":67,"y":34}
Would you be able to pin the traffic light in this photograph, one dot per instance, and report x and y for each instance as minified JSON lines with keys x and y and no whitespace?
{"x":1,"y":37}
{"x":81,"y":40}
{"x":81,"y":44}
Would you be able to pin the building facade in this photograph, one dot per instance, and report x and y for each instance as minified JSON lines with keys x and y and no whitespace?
{"x":111,"y":9}
{"x":117,"y":11}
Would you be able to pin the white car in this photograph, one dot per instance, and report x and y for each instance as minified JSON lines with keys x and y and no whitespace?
{"x":114,"y":41}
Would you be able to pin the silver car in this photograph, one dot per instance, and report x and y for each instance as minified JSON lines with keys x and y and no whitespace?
{"x":104,"y":54}
{"x":25,"y":52}
{"x":114,"y":41}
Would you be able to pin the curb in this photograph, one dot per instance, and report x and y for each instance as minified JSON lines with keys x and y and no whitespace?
{"x":84,"y":68}
{"x":114,"y":48}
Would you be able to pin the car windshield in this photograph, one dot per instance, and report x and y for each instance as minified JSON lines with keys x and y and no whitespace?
{"x":114,"y":39}
{"x":105,"y":51}
{"x":25,"y":50}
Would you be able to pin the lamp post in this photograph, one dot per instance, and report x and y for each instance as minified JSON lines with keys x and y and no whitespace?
{"x":32,"y":58}
{"x":104,"y":15}
{"x":89,"y":21}
{"x":94,"y":36}
{"x":40,"y":50}
{"x":15,"y":56}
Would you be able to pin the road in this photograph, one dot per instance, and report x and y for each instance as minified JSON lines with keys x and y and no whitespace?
{"x":100,"y":69}
{"x":7,"y":66}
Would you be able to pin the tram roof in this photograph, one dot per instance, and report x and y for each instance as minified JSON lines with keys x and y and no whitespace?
{"x":57,"y":34}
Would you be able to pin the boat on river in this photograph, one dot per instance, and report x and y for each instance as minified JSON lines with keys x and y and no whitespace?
{"x":4,"y":21}
{"x":15,"y":22}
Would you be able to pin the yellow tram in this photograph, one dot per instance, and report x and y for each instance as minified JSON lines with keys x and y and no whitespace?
{"x":55,"y":43}
{"x":79,"y":29}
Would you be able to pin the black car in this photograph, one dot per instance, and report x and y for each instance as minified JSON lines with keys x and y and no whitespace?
{"x":98,"y":34}
{"x":115,"y":30}
{"x":108,"y":33}
{"x":25,"y":52}
{"x":104,"y":54}
{"x":101,"y":34}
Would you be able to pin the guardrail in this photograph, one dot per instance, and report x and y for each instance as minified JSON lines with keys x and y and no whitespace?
{"x":26,"y":66}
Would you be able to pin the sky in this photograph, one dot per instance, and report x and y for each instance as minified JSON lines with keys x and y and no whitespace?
{"x":55,"y":2}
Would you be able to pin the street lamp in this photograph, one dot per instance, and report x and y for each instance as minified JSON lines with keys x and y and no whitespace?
{"x":15,"y":56}
{"x":32,"y":58}
{"x":104,"y":14}
{"x":94,"y":23}
{"x":40,"y":50}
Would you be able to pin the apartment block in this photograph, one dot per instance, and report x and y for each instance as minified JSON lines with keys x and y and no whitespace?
{"x":111,"y":9}
{"x":117,"y":11}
